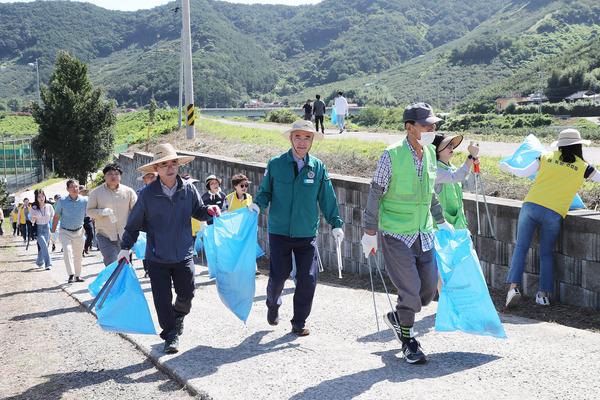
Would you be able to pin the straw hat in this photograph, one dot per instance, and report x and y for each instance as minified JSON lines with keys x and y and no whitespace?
{"x":303,"y":126}
{"x":165,"y":152}
{"x":569,"y":137}
{"x":141,"y":177}
{"x":442,"y":141}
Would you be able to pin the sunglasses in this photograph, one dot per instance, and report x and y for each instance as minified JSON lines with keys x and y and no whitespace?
{"x":243,"y":185}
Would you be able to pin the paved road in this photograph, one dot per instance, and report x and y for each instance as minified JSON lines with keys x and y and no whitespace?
{"x":344,"y":357}
{"x":50,"y":190}
{"x":496,"y":149}
{"x":51,"y":348}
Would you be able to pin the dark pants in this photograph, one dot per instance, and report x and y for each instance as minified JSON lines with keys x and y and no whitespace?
{"x":181,"y":275}
{"x":14,"y":228}
{"x":89,"y":236}
{"x":304,"y":249}
{"x":26,"y":229}
{"x":317,"y":119}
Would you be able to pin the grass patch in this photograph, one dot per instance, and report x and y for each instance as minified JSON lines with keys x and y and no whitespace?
{"x":17,"y":125}
{"x":45,"y":183}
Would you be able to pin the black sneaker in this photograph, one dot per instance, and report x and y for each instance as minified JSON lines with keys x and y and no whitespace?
{"x":70,"y":280}
{"x":171,"y":345}
{"x":53,"y":247}
{"x":78,"y":279}
{"x":272,"y":315}
{"x":413,"y":353}
{"x":300,"y":331}
{"x":393,"y":322}
{"x":179,"y":325}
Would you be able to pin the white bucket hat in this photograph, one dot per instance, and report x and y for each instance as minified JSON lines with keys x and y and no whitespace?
{"x":568,"y":137}
{"x":141,"y":177}
{"x":303,"y":126}
{"x":165,"y":152}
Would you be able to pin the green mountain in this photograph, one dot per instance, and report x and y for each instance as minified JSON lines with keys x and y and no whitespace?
{"x":378,"y":51}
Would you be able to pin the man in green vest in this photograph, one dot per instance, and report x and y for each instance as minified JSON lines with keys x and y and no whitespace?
{"x":295,"y":187}
{"x":402,"y":205}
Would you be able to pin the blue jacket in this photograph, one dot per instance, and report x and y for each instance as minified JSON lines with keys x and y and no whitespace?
{"x":166,"y":221}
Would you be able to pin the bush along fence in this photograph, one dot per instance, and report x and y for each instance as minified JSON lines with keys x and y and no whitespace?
{"x":577,"y":252}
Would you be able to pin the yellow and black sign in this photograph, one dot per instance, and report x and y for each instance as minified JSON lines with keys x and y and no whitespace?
{"x":190,"y":115}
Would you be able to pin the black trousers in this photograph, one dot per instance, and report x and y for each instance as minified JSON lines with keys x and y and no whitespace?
{"x":89,"y":236}
{"x":26,"y":229}
{"x":305,"y":253}
{"x":14,"y":228}
{"x":317,"y":119}
{"x":181,"y":276}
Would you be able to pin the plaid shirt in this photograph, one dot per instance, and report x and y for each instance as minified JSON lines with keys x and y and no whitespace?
{"x":383,"y":176}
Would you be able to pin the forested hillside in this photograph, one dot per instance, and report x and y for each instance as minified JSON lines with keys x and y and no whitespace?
{"x":379,"y":51}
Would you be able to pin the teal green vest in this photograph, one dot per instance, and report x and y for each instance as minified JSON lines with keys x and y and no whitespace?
{"x":405,"y":207}
{"x":451,"y":200}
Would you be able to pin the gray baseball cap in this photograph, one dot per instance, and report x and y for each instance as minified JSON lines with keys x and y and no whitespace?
{"x":421,"y":113}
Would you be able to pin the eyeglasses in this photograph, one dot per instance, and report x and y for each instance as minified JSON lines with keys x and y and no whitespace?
{"x":112,"y":174}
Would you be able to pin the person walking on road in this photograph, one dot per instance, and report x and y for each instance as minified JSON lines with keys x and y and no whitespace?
{"x":14,"y":218}
{"x":319,"y":111}
{"x":448,"y":179}
{"x":341,"y":110}
{"x":213,"y":194}
{"x":295,"y":186}
{"x":1,"y":221}
{"x":70,"y":211}
{"x":240,"y":197}
{"x":41,"y":214}
{"x":307,"y":110}
{"x":109,"y":205}
{"x":164,"y":210}
{"x":560,"y":174}
{"x":25,"y":224}
{"x":402,"y":205}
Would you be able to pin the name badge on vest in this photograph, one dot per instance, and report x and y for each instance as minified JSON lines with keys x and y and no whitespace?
{"x":309,"y":181}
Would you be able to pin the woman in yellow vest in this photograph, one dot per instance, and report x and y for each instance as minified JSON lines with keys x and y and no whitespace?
{"x":560,"y":175}
{"x":14,"y":215}
{"x":240,"y":197}
{"x":448,"y":179}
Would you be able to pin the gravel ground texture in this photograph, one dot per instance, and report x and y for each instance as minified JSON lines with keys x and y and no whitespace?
{"x":51,"y":348}
{"x":345,"y":357}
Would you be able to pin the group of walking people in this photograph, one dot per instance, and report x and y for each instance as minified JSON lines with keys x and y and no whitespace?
{"x":316,"y":110}
{"x":415,"y":190}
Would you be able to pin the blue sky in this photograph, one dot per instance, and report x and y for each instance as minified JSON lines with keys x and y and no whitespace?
{"x":130,"y":5}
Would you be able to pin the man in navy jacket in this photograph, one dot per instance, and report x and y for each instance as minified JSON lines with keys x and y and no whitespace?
{"x":164,"y":210}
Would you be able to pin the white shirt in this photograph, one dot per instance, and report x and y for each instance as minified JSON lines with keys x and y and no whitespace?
{"x":341,"y":105}
{"x":42,"y":216}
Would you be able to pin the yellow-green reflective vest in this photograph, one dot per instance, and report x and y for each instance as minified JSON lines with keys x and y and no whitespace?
{"x":451,"y":200}
{"x":405,"y":207}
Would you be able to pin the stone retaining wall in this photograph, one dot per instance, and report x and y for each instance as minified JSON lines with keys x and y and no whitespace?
{"x":577,"y":253}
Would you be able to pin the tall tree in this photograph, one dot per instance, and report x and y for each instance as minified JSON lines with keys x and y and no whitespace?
{"x":75,"y":122}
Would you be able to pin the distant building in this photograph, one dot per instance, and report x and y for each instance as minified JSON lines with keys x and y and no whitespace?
{"x":585,"y":95}
{"x":533,"y":98}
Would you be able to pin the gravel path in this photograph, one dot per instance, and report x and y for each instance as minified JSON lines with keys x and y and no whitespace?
{"x":496,"y":149}
{"x":343,"y":358}
{"x":51,"y":348}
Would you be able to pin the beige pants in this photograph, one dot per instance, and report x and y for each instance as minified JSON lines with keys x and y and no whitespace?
{"x":72,"y":244}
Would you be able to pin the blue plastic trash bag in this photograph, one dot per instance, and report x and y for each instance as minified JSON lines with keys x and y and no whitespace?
{"x":234,"y":246}
{"x":209,"y":248}
{"x":528,"y":152}
{"x":125,"y":309}
{"x":139,"y":247}
{"x":94,"y":287}
{"x":198,"y":244}
{"x":333,"y":116}
{"x":464,"y":302}
{"x":259,"y":251}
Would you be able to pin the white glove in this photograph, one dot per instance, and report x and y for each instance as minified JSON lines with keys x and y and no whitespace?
{"x":124,"y":254}
{"x":446,"y":227}
{"x":338,"y":234}
{"x":369,"y":244}
{"x":253,"y":207}
{"x":473,"y":149}
{"x":106,"y":212}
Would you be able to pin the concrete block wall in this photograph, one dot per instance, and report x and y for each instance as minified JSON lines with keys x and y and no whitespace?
{"x":577,"y":252}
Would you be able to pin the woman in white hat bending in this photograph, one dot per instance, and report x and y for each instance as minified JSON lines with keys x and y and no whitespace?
{"x":560,"y":174}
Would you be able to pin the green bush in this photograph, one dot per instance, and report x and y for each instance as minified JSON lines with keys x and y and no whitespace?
{"x":283,"y":116}
{"x":389,"y":118}
{"x":577,"y":109}
{"x":472,"y":121}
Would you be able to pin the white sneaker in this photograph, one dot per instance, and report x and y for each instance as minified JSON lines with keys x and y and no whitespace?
{"x":513,"y":297}
{"x":542,"y":299}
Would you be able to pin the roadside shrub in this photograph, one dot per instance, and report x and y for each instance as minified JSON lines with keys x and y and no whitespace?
{"x":283,"y":116}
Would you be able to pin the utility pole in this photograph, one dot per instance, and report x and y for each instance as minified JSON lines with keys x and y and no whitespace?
{"x":180,"y":79}
{"x":37,"y":73}
{"x":188,"y":73}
